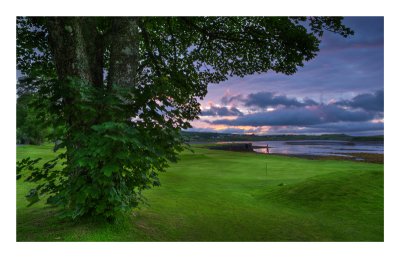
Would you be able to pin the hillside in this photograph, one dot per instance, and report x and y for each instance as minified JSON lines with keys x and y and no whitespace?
{"x":212,"y":195}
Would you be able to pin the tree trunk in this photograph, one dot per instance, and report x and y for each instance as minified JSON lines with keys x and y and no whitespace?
{"x":124,"y":52}
{"x":79,"y":61}
{"x":69,"y":48}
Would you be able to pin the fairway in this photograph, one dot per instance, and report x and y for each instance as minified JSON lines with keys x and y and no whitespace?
{"x":213,"y":195}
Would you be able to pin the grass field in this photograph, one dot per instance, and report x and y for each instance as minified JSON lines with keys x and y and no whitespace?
{"x":213,"y":195}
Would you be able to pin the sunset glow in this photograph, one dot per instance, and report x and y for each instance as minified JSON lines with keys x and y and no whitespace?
{"x":339,"y":91}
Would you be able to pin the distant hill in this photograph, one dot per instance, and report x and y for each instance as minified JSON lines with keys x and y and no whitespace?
{"x":212,"y":137}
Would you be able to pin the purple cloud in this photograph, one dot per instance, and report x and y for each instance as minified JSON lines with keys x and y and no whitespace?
{"x":265,"y":99}
{"x":302,"y":116}
{"x":367,"y":101}
{"x":221,"y":111}
{"x":349,"y":70}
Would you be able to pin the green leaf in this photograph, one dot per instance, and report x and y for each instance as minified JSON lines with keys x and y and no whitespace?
{"x":109,"y":169}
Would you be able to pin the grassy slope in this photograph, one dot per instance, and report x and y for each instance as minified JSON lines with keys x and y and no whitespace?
{"x":226,"y":196}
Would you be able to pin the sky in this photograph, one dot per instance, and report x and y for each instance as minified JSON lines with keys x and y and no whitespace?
{"x":339,"y":91}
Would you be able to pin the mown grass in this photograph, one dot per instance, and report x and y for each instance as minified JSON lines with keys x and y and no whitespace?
{"x":212,"y":195}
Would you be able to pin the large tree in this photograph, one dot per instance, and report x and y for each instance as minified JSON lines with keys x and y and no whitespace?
{"x":120,"y":89}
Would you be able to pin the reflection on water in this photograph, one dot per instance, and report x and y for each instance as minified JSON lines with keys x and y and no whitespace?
{"x":318,"y":147}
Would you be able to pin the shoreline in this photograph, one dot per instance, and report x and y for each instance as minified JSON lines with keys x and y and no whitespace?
{"x":357,"y":156}
{"x":377,"y":158}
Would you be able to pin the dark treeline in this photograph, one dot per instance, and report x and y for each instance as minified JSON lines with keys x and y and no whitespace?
{"x":211,"y":137}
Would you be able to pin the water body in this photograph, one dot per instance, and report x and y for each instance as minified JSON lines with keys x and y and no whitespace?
{"x":318,"y":147}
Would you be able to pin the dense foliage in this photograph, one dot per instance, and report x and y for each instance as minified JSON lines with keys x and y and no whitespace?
{"x":29,"y":131}
{"x":118,"y":90}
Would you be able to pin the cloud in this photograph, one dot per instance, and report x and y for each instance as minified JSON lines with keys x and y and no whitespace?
{"x":228,"y":129}
{"x":347,"y":70}
{"x":368,"y":34}
{"x":269,"y":99}
{"x":221,"y":111}
{"x":352,"y":128}
{"x":278,"y":117}
{"x":309,"y":102}
{"x":368,"y":101}
{"x":333,"y":113}
{"x":228,"y":99}
{"x":303,"y":116}
{"x":343,"y":67}
{"x":231,"y":130}
{"x":265,"y":99}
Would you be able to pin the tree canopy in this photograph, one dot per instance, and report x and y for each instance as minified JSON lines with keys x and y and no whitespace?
{"x":118,"y":90}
